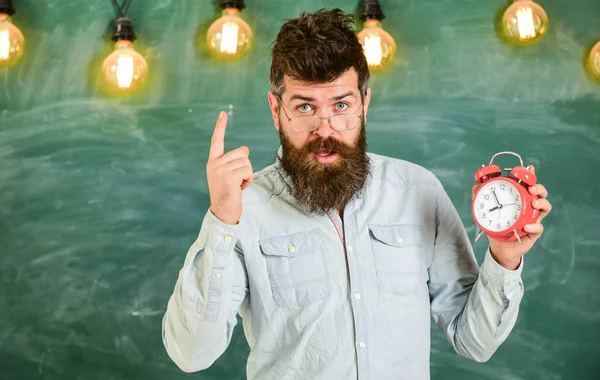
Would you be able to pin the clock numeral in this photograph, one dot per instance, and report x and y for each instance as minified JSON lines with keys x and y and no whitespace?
{"x":511,"y":189}
{"x":493,"y":188}
{"x":519,"y":207}
{"x":498,"y":226}
{"x":502,"y":186}
{"x":508,"y":224}
{"x":490,"y":223}
{"x":481,"y":206}
{"x":486,"y":197}
{"x":517,"y":198}
{"x":483,"y":216}
{"x":515,"y":217}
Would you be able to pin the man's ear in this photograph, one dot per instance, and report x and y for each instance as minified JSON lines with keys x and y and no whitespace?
{"x":366,"y":102}
{"x":274,"y":104}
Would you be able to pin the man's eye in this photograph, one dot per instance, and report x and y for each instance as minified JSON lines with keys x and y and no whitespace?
{"x":341,"y":106}
{"x":304,"y":108}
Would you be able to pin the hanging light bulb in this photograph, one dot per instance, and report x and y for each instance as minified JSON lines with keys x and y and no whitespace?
{"x":524,"y":22}
{"x":379,"y":47}
{"x":125,"y":70}
{"x":229,"y":37}
{"x":594,"y":61}
{"x":12,"y":42}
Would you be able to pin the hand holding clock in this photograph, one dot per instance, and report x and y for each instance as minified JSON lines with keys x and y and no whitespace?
{"x":509,"y":253}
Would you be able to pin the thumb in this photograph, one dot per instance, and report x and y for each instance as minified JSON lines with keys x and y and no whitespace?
{"x":245,"y":150}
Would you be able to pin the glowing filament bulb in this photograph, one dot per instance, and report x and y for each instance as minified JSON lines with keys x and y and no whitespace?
{"x":525,"y":23}
{"x":125,"y":71}
{"x":594,"y":62}
{"x":378,"y":46}
{"x":12,"y":42}
{"x":229,"y":38}
{"x":373,"y":51}
{"x":4,"y":44}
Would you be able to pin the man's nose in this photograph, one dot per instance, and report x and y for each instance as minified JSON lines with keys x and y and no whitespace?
{"x":324,"y":130}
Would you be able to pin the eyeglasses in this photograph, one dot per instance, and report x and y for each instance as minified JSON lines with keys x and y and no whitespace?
{"x":308,"y":123}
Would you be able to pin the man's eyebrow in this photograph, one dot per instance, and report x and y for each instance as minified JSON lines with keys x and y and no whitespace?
{"x":340,"y":97}
{"x":302,"y":97}
{"x":311,"y":99}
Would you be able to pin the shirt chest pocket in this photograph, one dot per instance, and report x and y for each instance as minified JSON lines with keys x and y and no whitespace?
{"x":297,"y":268}
{"x":397,"y":255}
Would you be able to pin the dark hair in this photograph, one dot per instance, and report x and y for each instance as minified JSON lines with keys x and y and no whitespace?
{"x":317,"y":48}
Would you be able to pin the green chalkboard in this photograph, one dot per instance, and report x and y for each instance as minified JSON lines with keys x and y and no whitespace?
{"x":101,"y":196}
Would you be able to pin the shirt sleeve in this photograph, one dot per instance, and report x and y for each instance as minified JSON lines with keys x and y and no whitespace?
{"x":212,"y":285}
{"x":475,"y":308}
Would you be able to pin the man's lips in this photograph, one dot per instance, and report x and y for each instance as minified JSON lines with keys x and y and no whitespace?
{"x":324,"y":156}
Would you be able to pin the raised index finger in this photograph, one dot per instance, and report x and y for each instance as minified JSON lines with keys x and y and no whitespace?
{"x":217,"y":143}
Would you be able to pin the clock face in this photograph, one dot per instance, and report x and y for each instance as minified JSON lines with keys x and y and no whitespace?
{"x":497,"y":205}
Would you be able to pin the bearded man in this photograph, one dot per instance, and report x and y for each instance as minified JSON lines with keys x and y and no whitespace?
{"x":334,"y":257}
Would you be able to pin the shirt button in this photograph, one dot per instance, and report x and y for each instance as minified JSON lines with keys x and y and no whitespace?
{"x":227,"y":239}
{"x":362,"y":344}
{"x":218,"y":275}
{"x":292,"y":249}
{"x":357,"y":296}
{"x":399,"y":239}
{"x":349,"y":248}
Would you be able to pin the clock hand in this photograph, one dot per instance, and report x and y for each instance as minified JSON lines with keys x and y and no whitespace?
{"x":498,"y":205}
{"x":496,"y":198}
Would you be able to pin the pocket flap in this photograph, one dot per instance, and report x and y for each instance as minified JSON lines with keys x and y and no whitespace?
{"x":300,"y":243}
{"x":397,"y":235}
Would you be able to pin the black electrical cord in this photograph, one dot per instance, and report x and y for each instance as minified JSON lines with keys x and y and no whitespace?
{"x":7,"y":7}
{"x":123,"y":25}
{"x":126,"y":8}
{"x":121,"y":10}
{"x":372,"y":10}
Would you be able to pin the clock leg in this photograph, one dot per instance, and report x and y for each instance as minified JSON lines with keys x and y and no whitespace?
{"x":517,"y":236}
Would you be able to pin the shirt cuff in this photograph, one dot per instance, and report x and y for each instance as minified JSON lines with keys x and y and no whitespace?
{"x":220,"y":243}
{"x":221,"y":236}
{"x":213,"y":220}
{"x":498,"y":276}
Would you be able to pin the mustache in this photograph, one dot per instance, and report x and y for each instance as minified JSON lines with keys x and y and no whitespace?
{"x":328,"y":143}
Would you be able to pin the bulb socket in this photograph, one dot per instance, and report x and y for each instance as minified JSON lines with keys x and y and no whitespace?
{"x":238,"y":4}
{"x":7,"y":7}
{"x":372,"y":10}
{"x":123,"y":30}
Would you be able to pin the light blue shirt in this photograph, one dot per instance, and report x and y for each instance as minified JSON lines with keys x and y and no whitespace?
{"x":317,"y":305}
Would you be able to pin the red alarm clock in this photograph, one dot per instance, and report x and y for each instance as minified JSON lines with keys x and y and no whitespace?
{"x":502,"y":205}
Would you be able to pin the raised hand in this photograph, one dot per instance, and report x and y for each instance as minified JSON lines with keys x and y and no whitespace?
{"x":227,"y":175}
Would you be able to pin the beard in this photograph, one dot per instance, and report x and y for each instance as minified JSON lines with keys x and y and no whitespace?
{"x":320,"y":187}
